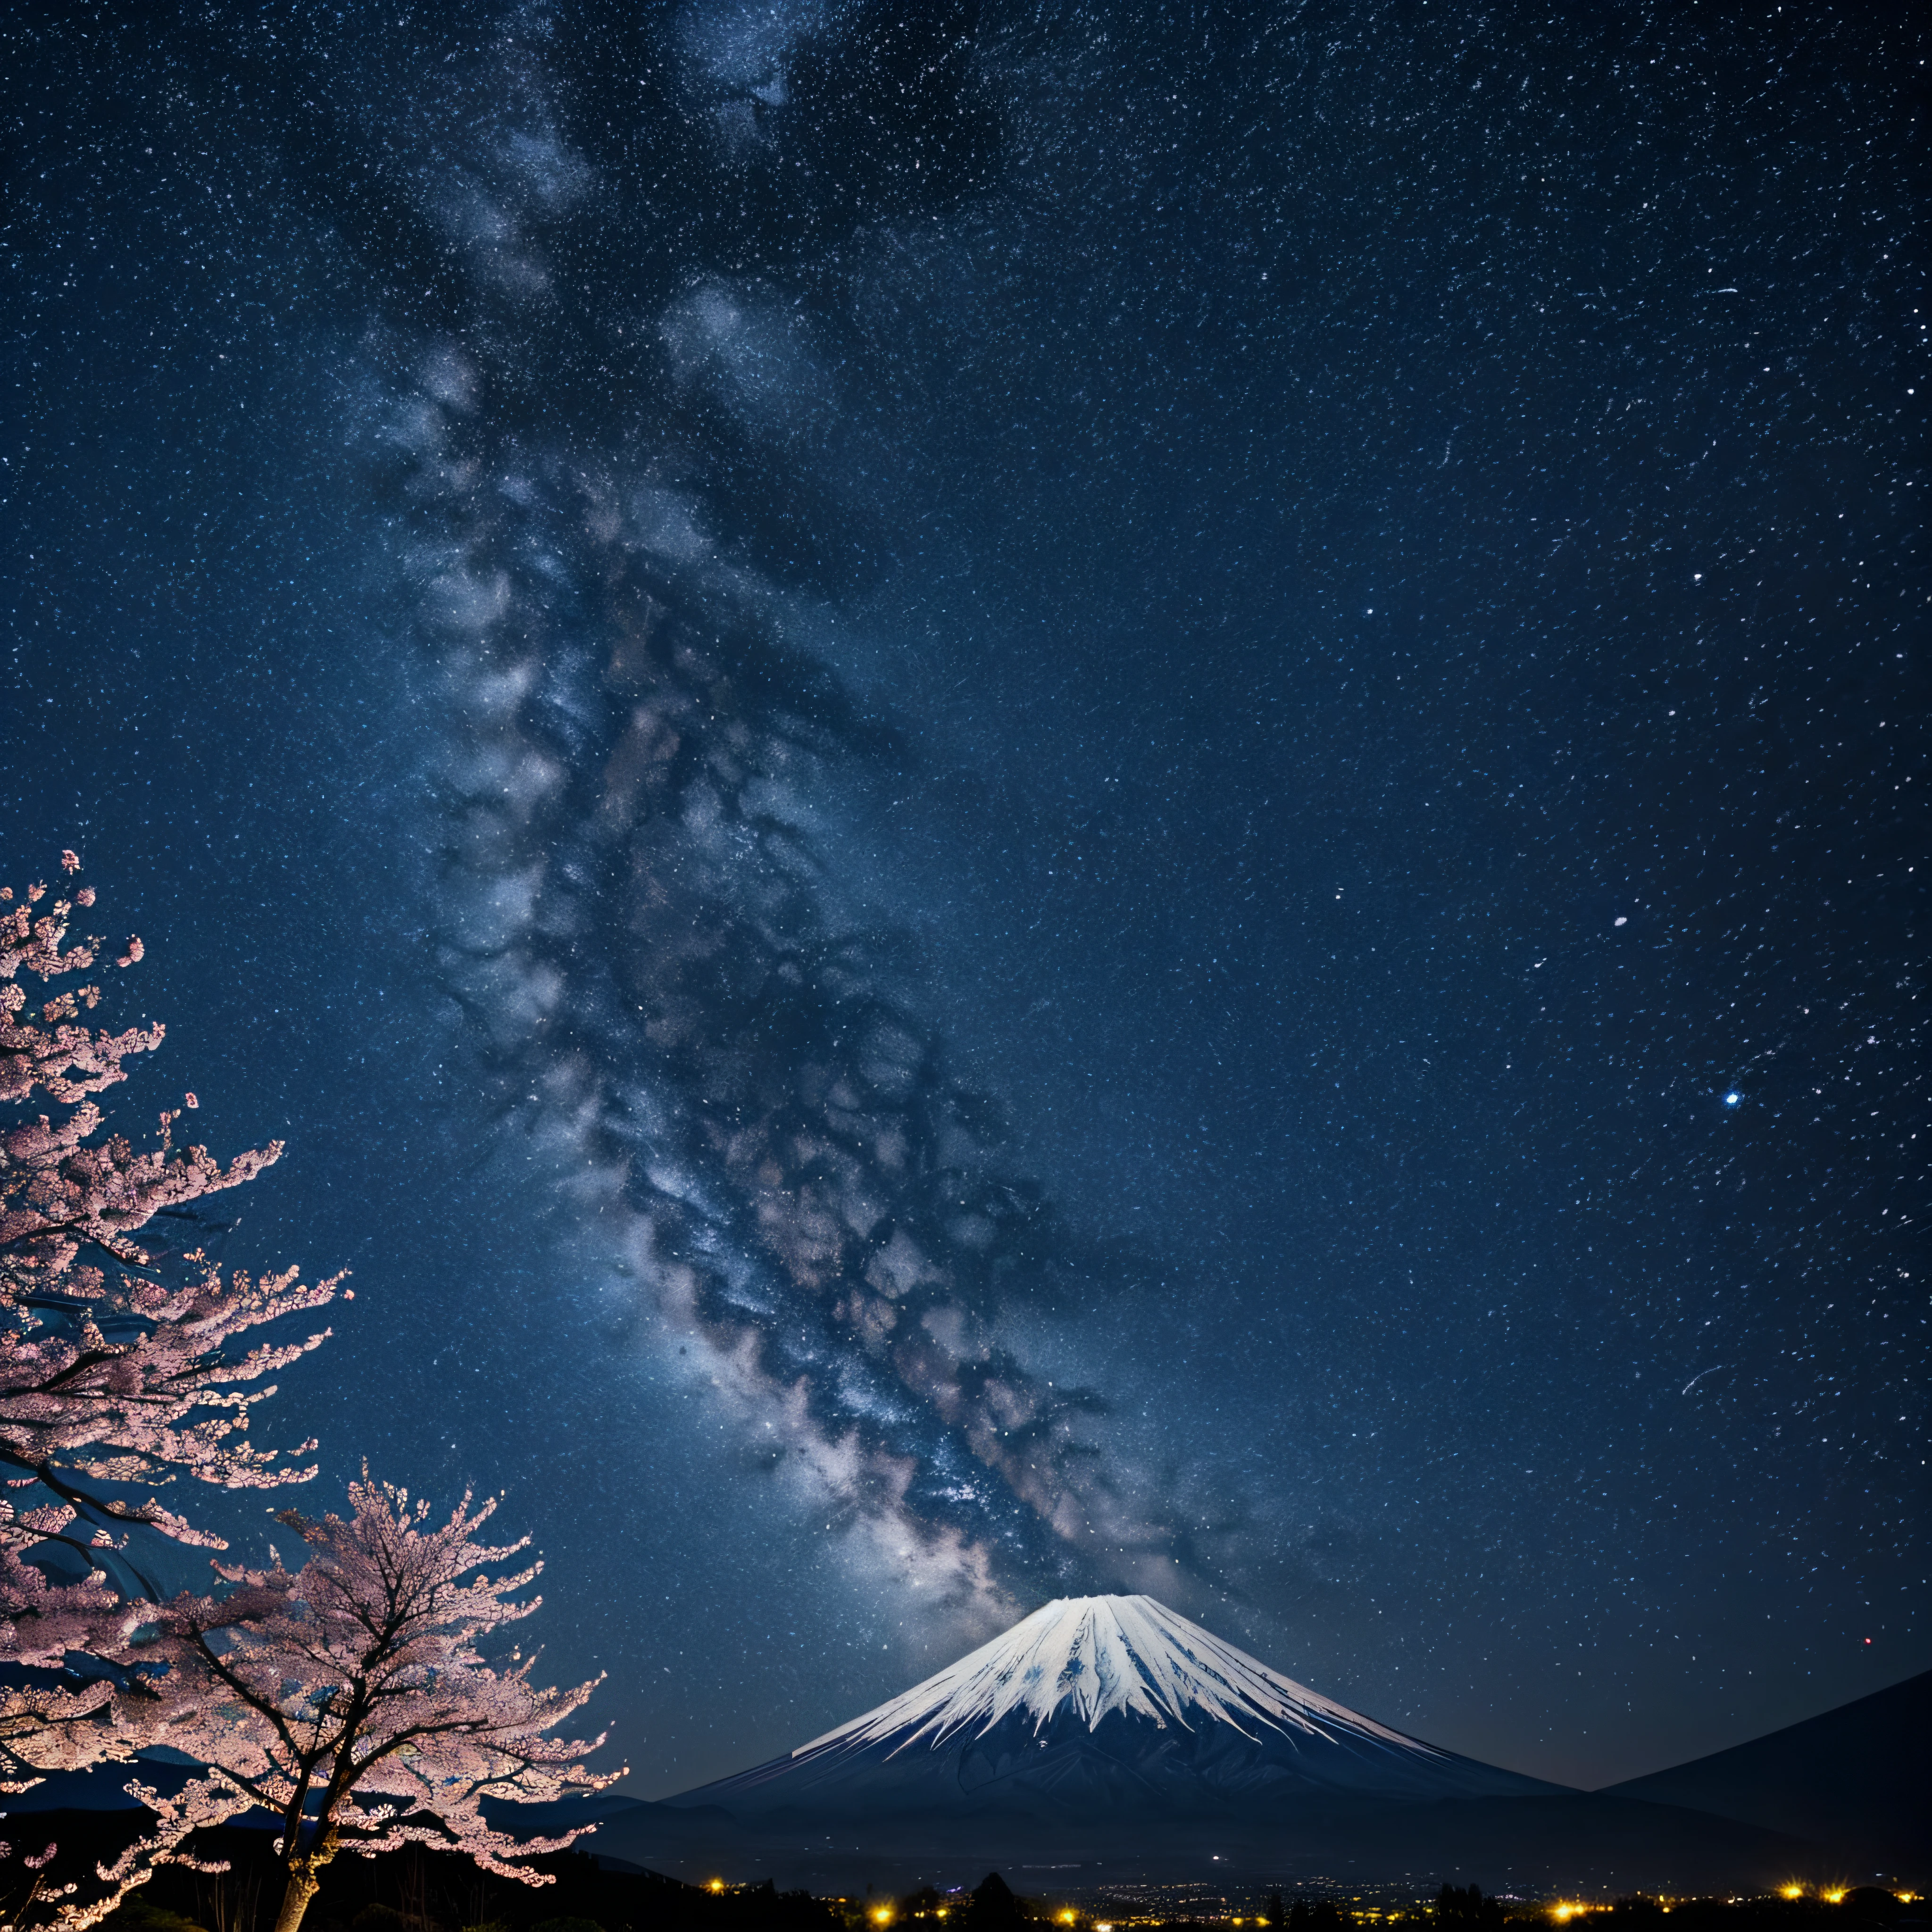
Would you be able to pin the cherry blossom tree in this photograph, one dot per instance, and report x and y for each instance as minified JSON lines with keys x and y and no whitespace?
{"x":119,"y":1371}
{"x":350,"y":1697}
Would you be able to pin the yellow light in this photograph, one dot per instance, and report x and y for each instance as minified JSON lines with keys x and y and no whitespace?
{"x":716,"y":1885}
{"x":883,"y":1916}
{"x":1834,"y":1897}
{"x":1066,"y":1918}
{"x":1791,"y":1891}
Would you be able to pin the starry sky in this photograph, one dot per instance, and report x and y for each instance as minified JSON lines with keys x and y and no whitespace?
{"x":1018,"y":800}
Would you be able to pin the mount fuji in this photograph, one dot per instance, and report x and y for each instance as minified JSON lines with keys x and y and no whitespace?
{"x":1108,"y":1736}
{"x":1104,"y":1708}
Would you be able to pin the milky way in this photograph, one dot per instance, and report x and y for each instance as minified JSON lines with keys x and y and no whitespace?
{"x":701,"y":1016}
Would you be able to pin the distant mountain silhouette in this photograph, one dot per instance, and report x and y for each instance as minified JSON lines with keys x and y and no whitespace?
{"x":1857,"y":1777}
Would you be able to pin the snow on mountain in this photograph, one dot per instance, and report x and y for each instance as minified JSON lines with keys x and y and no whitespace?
{"x":1104,"y":1707}
{"x":1088,"y":1656}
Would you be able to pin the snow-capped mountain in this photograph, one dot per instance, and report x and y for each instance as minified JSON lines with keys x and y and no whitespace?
{"x":1104,"y":1707}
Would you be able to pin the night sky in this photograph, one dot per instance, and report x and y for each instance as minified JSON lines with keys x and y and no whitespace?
{"x":1017,"y":801}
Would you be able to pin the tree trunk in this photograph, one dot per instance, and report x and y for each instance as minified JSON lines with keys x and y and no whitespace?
{"x":305,"y":1881}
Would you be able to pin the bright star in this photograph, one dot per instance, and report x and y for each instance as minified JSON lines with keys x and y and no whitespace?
{"x":1731,"y":1099}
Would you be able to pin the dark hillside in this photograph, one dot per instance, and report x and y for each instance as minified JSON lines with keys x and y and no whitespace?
{"x":1859,"y":1776}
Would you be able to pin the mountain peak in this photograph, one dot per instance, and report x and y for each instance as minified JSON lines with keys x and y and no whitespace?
{"x":1085,"y":1658}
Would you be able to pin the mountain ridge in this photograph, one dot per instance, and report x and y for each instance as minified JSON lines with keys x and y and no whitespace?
{"x":1858,"y":1773}
{"x":1113,"y":1737}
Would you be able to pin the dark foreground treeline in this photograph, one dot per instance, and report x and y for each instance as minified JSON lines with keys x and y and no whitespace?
{"x":410,"y":1890}
{"x":416,"y":1890}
